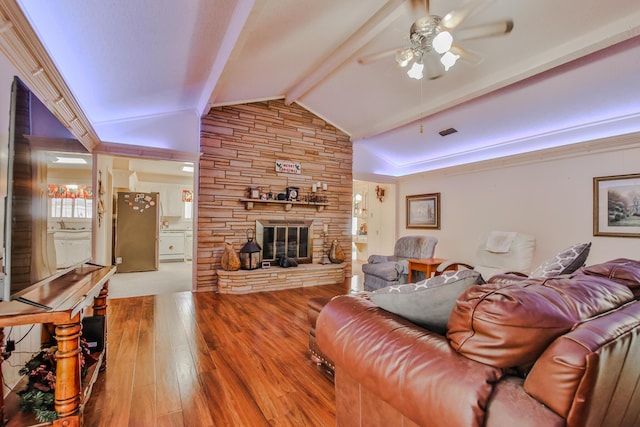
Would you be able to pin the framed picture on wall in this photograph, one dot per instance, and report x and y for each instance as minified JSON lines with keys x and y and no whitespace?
{"x":423,"y":211}
{"x":616,"y":206}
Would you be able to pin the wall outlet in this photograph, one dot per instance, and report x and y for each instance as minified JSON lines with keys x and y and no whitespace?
{"x":118,"y":260}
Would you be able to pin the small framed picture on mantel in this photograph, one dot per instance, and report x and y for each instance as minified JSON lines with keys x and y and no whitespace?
{"x":423,"y":211}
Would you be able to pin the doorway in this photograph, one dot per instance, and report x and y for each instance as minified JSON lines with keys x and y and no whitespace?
{"x":174,"y":183}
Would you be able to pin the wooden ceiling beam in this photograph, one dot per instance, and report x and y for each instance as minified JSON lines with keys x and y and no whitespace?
{"x":346,"y":51}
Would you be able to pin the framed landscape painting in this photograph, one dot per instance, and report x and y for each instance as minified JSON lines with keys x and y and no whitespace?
{"x":616,"y":206}
{"x":423,"y":211}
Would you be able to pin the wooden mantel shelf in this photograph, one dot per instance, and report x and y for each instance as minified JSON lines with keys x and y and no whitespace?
{"x":288,"y":204}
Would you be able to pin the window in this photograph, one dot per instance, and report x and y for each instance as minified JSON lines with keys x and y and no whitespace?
{"x":188,"y":210}
{"x":70,"y":201}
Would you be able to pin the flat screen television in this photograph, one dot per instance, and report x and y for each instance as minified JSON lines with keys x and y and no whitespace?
{"x":49,"y":194}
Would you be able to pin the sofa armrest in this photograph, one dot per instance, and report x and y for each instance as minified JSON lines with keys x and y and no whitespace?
{"x":414,"y":370}
{"x":402,"y":266}
{"x":452,"y":265}
{"x":377,"y":259}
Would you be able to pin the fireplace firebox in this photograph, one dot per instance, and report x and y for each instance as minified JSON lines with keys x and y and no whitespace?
{"x":285,"y":238}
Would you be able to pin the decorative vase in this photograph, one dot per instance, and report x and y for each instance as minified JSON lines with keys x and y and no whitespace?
{"x":336,"y":254}
{"x":230,"y":260}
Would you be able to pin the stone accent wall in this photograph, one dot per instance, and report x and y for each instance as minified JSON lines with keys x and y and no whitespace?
{"x":240,"y":145}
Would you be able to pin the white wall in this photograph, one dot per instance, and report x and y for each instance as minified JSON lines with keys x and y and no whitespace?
{"x":178,"y":131}
{"x":102,"y":236}
{"x":550,"y":199}
{"x":380,"y":219}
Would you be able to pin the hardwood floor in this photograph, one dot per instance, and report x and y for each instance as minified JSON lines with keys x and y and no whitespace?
{"x":205,"y":359}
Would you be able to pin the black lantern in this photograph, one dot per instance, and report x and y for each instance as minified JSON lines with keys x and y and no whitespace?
{"x":251,"y":253}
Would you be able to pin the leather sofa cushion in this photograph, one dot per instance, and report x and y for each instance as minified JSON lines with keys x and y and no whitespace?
{"x":510,"y":405}
{"x":621,"y":270}
{"x":510,"y":325}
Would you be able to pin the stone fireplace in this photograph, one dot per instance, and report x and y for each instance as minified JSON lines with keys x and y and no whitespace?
{"x":241,"y":145}
{"x":285,"y":238}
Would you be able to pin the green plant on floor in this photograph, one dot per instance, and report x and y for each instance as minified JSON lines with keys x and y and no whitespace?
{"x":38,"y":396}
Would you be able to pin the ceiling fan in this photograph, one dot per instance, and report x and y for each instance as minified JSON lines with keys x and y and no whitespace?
{"x":433,"y":39}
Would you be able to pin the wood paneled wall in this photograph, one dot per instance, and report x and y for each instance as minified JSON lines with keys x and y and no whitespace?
{"x":240,"y":145}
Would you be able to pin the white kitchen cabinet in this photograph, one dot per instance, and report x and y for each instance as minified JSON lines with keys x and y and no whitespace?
{"x":72,"y":247}
{"x":171,"y":247}
{"x":171,"y":199}
{"x":146,"y":187}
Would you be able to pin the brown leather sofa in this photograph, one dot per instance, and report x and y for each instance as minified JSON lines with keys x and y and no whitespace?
{"x":314,"y":306}
{"x":557,"y":352}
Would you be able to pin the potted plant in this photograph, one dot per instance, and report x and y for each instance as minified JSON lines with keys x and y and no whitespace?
{"x":38,"y":395}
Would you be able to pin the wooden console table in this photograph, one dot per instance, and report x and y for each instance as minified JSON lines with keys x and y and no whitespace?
{"x":428,"y":265}
{"x":68,"y":298}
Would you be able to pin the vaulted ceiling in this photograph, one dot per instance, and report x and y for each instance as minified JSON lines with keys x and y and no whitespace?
{"x":144,"y":71}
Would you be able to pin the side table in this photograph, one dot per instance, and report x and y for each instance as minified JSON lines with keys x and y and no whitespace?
{"x":427,"y":265}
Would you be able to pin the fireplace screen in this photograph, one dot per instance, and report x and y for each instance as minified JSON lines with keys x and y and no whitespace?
{"x":291,"y":239}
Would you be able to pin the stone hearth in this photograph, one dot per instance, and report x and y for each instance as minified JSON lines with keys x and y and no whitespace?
{"x":277,"y":278}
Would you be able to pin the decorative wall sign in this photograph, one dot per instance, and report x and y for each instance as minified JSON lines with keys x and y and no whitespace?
{"x":287,"y":166}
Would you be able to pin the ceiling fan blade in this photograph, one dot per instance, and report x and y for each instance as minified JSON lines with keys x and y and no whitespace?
{"x":466,"y":55}
{"x":432,"y":65}
{"x":491,"y":29}
{"x":454,"y":18}
{"x":376,"y":56}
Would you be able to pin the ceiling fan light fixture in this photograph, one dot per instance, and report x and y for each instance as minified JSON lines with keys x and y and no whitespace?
{"x":442,"y":42}
{"x":431,"y":37}
{"x":449,"y":60}
{"x":404,"y":56}
{"x":415,"y":72}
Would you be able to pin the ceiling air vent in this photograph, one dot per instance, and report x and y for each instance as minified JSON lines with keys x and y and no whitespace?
{"x":447,"y":132}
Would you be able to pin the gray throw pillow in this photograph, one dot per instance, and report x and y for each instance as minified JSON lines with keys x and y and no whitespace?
{"x":427,"y":303}
{"x":565,"y":262}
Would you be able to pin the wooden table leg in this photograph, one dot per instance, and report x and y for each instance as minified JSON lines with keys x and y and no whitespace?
{"x":68,"y":375}
{"x":410,"y":274}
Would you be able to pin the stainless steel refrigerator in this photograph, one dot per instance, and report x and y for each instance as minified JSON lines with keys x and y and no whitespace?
{"x":137,"y":228}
